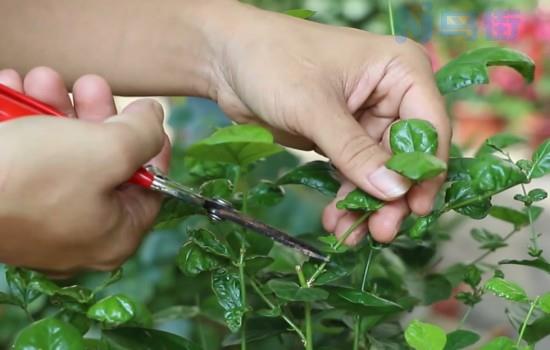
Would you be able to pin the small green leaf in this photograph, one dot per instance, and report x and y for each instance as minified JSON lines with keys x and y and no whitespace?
{"x":358,"y":302}
{"x":425,"y":336}
{"x":331,"y":273}
{"x":265,"y":194}
{"x":544,"y":303}
{"x":464,"y":200}
{"x":436,"y":288}
{"x":537,"y":195}
{"x":118,"y":309}
{"x":192,"y":260}
{"x":541,"y":161}
{"x":455,"y":151}
{"x":515,"y":217}
{"x":471,"y":67}
{"x":49,"y":334}
{"x":217,"y":188}
{"x":499,"y":142}
{"x":500,"y":343}
{"x":317,"y":175}
{"x":422,"y":225}
{"x":145,"y":339}
{"x":300,"y":13}
{"x":413,"y":135}
{"x":359,"y":200}
{"x":416,"y":166}
{"x":176,"y":312}
{"x":173,"y":211}
{"x":506,"y":289}
{"x":490,"y":241}
{"x":236,"y":144}
{"x":291,"y":291}
{"x":255,"y":263}
{"x":210,"y":242}
{"x":331,"y":245}
{"x":461,"y":339}
{"x":472,"y":276}
{"x":538,"y":263}
{"x":227,"y":288}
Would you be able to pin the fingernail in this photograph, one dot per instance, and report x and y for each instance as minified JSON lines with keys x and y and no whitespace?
{"x":390,"y":183}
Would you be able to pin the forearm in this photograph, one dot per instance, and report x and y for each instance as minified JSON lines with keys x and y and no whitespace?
{"x":140,"y":47}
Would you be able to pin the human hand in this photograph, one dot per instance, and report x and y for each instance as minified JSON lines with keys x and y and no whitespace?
{"x":337,"y":90}
{"x":62,"y":205}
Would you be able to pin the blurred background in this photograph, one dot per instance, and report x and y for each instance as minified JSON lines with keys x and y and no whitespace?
{"x":446,"y":28}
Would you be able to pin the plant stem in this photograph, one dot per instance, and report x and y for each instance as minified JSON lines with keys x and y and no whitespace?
{"x":489,"y":252}
{"x":243,"y":295}
{"x":358,"y":319}
{"x":524,"y":325}
{"x":534,"y":238}
{"x":273,"y":307}
{"x":341,"y":241}
{"x":464,"y":318}
{"x":390,"y":13}
{"x":307,"y":318}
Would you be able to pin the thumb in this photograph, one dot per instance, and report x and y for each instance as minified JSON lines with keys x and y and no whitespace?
{"x":137,"y":134}
{"x":359,"y":157}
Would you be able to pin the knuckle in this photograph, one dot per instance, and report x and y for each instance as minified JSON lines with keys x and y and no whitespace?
{"x":354,"y":152}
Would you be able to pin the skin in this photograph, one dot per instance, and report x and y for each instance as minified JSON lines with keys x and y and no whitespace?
{"x":335,"y":90}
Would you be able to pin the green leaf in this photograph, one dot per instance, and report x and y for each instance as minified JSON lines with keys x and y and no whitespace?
{"x":500,"y":343}
{"x":217,"y":188}
{"x":492,"y":175}
{"x":425,"y":336}
{"x":416,"y":166}
{"x":291,"y":291}
{"x":255,"y":263}
{"x":537,"y":195}
{"x":515,"y":217}
{"x":461,"y":339}
{"x":175,"y":312}
{"x":359,"y":200}
{"x":537,"y":330}
{"x":236,"y":144}
{"x":145,"y":339}
{"x":506,"y":289}
{"x":300,"y":13}
{"x":422,"y":225}
{"x":359,"y":302}
{"x":490,"y":241}
{"x":541,"y":161}
{"x":331,"y":245}
{"x":471,"y":67}
{"x":464,"y":200}
{"x":49,"y":334}
{"x":331,"y":273}
{"x":227,"y":288}
{"x":436,"y":288}
{"x":9,"y":299}
{"x":265,"y":194}
{"x":455,"y":151}
{"x":192,"y":260}
{"x":544,"y":303}
{"x":499,"y":142}
{"x":210,"y":242}
{"x":118,"y":309}
{"x":413,"y":135}
{"x":18,"y":280}
{"x":317,"y":175}
{"x":472,"y":276}
{"x":538,"y":263}
{"x":173,"y":211}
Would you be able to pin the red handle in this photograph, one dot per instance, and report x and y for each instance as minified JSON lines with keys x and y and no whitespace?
{"x":14,"y":104}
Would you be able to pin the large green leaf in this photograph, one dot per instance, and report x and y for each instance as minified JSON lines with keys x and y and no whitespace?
{"x":471,"y":67}
{"x":413,"y":135}
{"x":491,"y":174}
{"x":538,"y":263}
{"x":173,"y":211}
{"x":500,"y":343}
{"x":359,"y":302}
{"x":291,"y":291}
{"x":416,"y":166}
{"x":217,"y":188}
{"x":192,"y":260}
{"x":49,"y":334}
{"x":118,"y":309}
{"x":236,"y":144}
{"x":359,"y":200}
{"x":464,"y":200}
{"x":541,"y":161}
{"x":517,"y":218}
{"x":537,"y":330}
{"x":318,"y":175}
{"x":210,"y":242}
{"x":227,"y":288}
{"x":145,"y":339}
{"x":425,"y":336}
{"x":461,"y":339}
{"x":499,"y":142}
{"x":506,"y":289}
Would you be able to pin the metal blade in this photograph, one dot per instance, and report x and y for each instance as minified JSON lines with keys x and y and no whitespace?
{"x":230,"y":214}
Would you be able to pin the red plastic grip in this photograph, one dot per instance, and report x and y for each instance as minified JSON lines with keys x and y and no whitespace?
{"x":14,"y":104}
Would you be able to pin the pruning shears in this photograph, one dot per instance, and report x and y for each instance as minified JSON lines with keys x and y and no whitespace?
{"x":14,"y":104}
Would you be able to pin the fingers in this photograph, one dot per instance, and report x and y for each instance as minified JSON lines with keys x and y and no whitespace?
{"x":385,"y":223}
{"x":358,"y":156}
{"x":137,"y":136}
{"x":93,"y":98}
{"x":46,"y":85}
{"x":11,"y":79}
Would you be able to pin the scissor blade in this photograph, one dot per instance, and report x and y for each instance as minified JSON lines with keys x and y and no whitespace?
{"x":230,"y":214}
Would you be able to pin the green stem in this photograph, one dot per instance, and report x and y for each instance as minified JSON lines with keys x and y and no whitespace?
{"x":307,"y":317}
{"x":464,"y":318}
{"x":243,"y":295}
{"x":273,"y":307}
{"x":358,"y":319}
{"x":534,"y":238}
{"x":341,"y":241}
{"x":390,"y":13}
{"x":524,"y":325}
